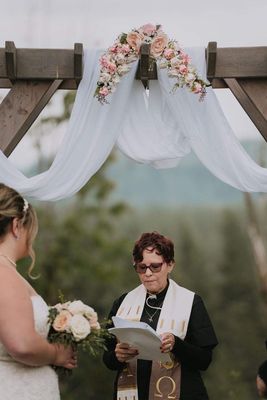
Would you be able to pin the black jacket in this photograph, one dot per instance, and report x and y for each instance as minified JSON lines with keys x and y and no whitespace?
{"x":194,"y":352}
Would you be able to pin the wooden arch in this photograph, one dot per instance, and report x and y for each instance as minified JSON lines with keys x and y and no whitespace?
{"x":34,"y":75}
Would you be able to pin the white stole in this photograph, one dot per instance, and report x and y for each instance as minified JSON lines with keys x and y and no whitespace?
{"x":175,"y":312}
{"x":174,"y":317}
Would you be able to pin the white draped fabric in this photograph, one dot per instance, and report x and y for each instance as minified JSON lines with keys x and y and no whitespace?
{"x":157,"y":129}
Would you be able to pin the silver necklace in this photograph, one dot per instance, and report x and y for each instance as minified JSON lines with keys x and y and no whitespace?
{"x":151,"y":316}
{"x":9,"y":259}
{"x":150,"y":319}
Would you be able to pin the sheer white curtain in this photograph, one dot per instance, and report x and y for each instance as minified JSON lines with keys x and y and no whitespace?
{"x":157,"y":129}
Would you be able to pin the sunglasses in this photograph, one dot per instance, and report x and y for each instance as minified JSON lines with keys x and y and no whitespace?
{"x":141,"y":268}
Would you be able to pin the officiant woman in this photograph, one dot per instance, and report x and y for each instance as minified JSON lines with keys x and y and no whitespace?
{"x":177,"y":314}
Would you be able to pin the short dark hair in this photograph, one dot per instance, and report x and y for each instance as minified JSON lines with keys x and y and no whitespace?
{"x":162,"y":244}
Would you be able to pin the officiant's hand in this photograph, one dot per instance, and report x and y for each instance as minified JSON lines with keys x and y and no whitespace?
{"x":167,"y":342}
{"x":124,"y":352}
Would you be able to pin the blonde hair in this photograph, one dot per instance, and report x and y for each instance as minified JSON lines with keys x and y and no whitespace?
{"x":13,"y":205}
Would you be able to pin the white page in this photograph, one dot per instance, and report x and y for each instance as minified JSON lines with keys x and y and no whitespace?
{"x":141,"y":336}
{"x":124,"y":323}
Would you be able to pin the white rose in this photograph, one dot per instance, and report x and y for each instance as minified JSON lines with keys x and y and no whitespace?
{"x":77,"y":307}
{"x":90,"y":312}
{"x":116,"y":79}
{"x":104,"y":77}
{"x":175,"y":62}
{"x":79,"y":327}
{"x":120,"y":58}
{"x":189,"y":77}
{"x":122,"y":69}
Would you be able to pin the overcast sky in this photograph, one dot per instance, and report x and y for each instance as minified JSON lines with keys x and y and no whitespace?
{"x":96,"y":23}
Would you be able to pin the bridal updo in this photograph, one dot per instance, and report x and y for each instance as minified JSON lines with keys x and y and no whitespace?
{"x":13,"y":205}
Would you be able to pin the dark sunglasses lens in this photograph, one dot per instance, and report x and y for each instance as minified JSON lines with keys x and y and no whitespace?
{"x":155,"y":267}
{"x":141,"y":268}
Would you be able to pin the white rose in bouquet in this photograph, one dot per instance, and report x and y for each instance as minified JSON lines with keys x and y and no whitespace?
{"x":77,"y":307}
{"x":79,"y":327}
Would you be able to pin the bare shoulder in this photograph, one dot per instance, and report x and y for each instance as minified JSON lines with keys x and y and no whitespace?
{"x":11,"y":283}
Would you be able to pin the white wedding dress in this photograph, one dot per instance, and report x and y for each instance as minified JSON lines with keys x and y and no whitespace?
{"x":22,"y":382}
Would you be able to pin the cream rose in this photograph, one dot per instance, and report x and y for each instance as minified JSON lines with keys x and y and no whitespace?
{"x":104,"y":77}
{"x":62,"y":320}
{"x":135,"y":39}
{"x":79,"y":327}
{"x":89,"y":312}
{"x":123,"y":69}
{"x":77,"y":307}
{"x":158,"y":44}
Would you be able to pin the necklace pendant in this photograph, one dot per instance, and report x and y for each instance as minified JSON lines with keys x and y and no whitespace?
{"x":150,"y":319}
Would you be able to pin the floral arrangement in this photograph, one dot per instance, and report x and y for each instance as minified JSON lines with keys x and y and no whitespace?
{"x":76,"y":324}
{"x":115,"y":62}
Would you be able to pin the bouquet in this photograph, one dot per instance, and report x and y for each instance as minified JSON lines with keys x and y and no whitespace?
{"x":75,"y":324}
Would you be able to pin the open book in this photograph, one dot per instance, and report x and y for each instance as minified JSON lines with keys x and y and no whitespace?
{"x":141,"y":336}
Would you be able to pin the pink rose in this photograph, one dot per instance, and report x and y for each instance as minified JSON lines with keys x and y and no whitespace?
{"x":185,"y":57}
{"x":113,"y":49}
{"x":111,"y":67}
{"x":183,"y":69}
{"x":169,"y":53}
{"x":148,"y":29}
{"x":104,"y":91}
{"x":135,"y":39}
{"x":158,"y":45}
{"x":62,"y":320}
{"x":104,"y":61}
{"x":197,"y":88}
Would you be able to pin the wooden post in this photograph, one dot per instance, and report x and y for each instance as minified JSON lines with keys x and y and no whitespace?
{"x":147,"y":67}
{"x":211,"y":56}
{"x":78,"y":66}
{"x":11,"y":60}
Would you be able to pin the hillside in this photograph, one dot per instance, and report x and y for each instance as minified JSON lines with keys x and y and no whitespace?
{"x":188,"y":184}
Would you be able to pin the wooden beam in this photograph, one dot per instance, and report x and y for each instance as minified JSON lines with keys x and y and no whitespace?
{"x":47,"y":64}
{"x":20,"y":108}
{"x":67,"y":84}
{"x":252,"y":95}
{"x":241,"y":62}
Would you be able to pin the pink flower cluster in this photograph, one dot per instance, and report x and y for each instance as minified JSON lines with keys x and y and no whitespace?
{"x":115,"y":62}
{"x":179,"y":66}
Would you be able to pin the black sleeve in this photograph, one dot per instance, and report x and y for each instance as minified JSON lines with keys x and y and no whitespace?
{"x":196,"y":350}
{"x":109,"y":357}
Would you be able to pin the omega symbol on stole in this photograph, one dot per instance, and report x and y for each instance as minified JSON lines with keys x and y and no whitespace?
{"x":171,"y":394}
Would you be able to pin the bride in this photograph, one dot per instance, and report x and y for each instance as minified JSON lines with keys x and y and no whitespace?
{"x":25,"y":354}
